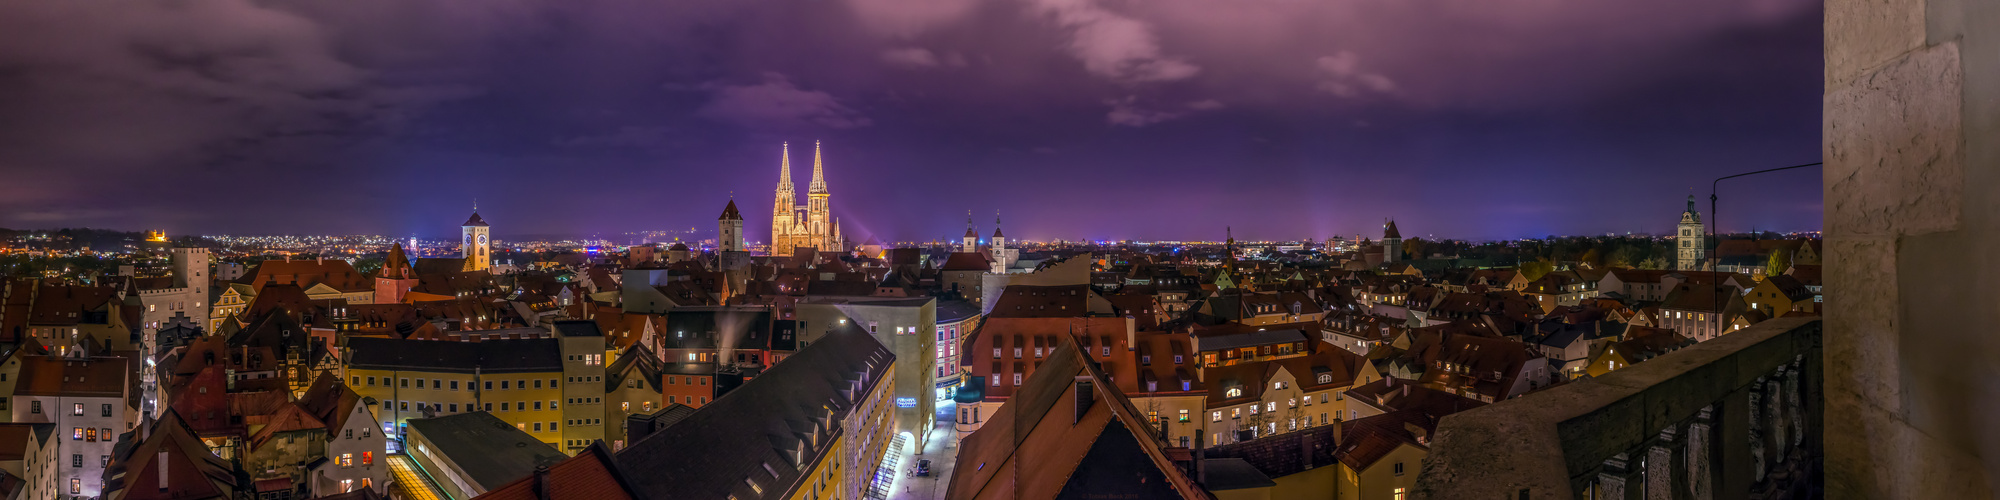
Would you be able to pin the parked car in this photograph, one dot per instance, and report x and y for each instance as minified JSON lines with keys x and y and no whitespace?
{"x":924,"y":468}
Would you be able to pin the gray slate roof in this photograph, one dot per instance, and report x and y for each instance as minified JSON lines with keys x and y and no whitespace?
{"x":490,"y":450}
{"x":711,"y":452}
{"x":491,"y":356}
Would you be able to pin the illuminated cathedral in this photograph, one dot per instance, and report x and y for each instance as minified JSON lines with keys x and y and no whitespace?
{"x":811,"y":225}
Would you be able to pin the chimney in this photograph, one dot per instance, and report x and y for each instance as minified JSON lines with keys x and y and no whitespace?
{"x":1201,"y":460}
{"x":542,"y":487}
{"x":1306,"y":446}
{"x":1086,"y":393}
{"x":162,"y":460}
{"x":1131,"y":333}
{"x":1423,"y":436}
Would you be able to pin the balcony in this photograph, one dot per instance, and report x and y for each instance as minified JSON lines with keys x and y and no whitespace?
{"x":1738,"y":416}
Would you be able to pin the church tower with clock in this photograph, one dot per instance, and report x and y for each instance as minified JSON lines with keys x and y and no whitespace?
{"x":477,"y":248}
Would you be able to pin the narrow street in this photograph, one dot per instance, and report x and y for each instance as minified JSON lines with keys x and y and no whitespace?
{"x":943,"y":454}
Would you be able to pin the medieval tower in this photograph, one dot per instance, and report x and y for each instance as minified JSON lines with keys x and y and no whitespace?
{"x":729,"y":229}
{"x":477,"y":249}
{"x":1690,"y":240}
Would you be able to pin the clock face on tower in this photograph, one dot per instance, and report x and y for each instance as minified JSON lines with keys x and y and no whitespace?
{"x":482,"y":239}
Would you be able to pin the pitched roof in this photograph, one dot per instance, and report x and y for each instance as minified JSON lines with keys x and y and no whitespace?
{"x":1809,"y":274}
{"x":491,"y":356}
{"x":1391,"y":394}
{"x":755,"y":432}
{"x":1703,"y":298}
{"x":289,"y":418}
{"x":1050,"y":301}
{"x":1389,"y":230}
{"x":475,"y":221}
{"x":967,"y":261}
{"x":1280,"y":455}
{"x":1793,"y":288}
{"x":55,"y":376}
{"x":1367,"y":440}
{"x":193,"y":472}
{"x":590,"y":475}
{"x":1234,"y":474}
{"x":14,"y":440}
{"x":637,"y":361}
{"x":729,"y":212}
{"x":396,"y":265}
{"x":1032,"y":440}
{"x":490,"y":450}
{"x":330,"y":400}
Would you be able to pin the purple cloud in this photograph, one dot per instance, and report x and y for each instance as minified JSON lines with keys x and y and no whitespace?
{"x":776,"y":103}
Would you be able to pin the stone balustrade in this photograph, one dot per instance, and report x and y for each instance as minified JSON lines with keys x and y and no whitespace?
{"x":1736,"y":417}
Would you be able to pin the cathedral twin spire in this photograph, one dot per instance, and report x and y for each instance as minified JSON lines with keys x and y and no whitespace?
{"x":817,"y":228}
{"x":818,"y":185}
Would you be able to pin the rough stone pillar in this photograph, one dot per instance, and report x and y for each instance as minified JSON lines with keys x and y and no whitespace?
{"x":1660,"y":467}
{"x":1732,"y":464}
{"x":1779,"y":422}
{"x":1758,"y":432}
{"x":1794,"y":407}
{"x":1700,"y":480}
{"x":1614,"y":476}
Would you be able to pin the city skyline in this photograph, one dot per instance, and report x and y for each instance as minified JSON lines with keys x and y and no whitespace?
{"x":1075,"y":119}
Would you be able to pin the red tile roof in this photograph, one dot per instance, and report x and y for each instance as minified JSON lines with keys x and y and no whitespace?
{"x":590,"y":475}
{"x":90,"y":377}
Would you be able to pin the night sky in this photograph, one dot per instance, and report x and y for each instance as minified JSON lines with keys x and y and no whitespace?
{"x":1102,"y":119}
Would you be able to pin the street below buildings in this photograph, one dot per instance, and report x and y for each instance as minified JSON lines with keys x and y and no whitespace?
{"x":943,"y":454}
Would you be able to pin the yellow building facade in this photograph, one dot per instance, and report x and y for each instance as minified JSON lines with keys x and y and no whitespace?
{"x":518,"y":381}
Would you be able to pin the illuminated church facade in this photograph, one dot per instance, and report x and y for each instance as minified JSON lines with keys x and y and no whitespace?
{"x":811,"y":225}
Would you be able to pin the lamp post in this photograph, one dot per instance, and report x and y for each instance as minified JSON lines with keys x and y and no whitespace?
{"x":1714,"y":216}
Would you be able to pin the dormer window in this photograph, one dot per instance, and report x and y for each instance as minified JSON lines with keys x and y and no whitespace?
{"x":1234,"y":392}
{"x":1326,"y":378}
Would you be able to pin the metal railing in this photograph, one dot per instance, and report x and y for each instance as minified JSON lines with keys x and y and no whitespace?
{"x":1738,"y":416}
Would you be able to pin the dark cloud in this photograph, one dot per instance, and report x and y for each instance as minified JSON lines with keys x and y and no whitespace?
{"x":776,"y":103}
{"x":1282,"y":117}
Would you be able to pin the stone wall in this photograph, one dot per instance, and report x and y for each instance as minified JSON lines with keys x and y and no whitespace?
{"x":1912,"y":98}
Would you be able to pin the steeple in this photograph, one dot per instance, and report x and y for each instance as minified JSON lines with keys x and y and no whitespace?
{"x":397,"y":264}
{"x":730,"y":213}
{"x":785,"y":169}
{"x":1229,"y":249}
{"x":819,"y":179}
{"x":996,"y":226}
{"x":971,"y":241}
